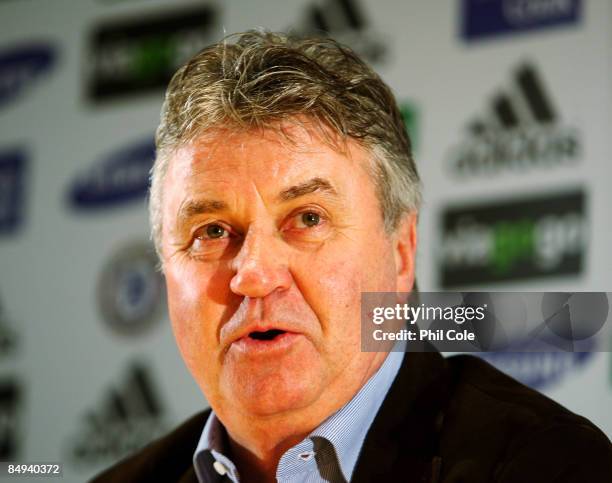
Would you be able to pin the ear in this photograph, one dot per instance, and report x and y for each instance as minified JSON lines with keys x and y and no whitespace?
{"x":404,"y":249}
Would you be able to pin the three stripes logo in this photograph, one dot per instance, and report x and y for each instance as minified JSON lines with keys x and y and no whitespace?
{"x":10,"y":419}
{"x":11,"y":393}
{"x":127,"y":419}
{"x":8,"y":336}
{"x":521,"y":131}
{"x":345,"y":21}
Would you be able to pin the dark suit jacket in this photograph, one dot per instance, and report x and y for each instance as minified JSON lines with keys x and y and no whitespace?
{"x":449,"y":420}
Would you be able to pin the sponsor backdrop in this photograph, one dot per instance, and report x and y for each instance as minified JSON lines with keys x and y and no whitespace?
{"x":509,"y":105}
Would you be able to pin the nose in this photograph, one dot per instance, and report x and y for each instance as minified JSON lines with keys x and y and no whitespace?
{"x":260,"y":265}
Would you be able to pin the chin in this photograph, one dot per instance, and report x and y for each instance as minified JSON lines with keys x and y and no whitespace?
{"x":266,"y":393}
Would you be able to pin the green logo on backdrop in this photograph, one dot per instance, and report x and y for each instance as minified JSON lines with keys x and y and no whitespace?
{"x":410,"y":115}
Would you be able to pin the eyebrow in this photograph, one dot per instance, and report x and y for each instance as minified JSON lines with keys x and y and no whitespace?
{"x":305,"y":188}
{"x":193,"y":208}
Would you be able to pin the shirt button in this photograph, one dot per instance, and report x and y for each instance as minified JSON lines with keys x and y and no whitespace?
{"x":219,"y":468}
{"x":306,"y":455}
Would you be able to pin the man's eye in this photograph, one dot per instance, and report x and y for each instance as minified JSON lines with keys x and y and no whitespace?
{"x":310,"y":219}
{"x":212,"y":231}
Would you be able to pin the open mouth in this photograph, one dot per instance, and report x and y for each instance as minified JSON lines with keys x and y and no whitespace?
{"x":266,"y":335}
{"x":264,"y":342}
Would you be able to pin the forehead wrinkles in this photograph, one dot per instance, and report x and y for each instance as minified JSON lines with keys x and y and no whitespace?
{"x":259,"y":164}
{"x":256,"y":156}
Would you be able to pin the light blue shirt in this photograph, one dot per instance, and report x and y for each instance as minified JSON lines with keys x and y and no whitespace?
{"x":328,"y":454}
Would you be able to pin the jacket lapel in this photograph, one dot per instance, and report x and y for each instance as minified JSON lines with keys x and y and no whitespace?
{"x":189,"y":476}
{"x":401,"y":444}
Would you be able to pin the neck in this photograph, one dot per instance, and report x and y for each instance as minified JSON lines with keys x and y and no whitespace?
{"x":258,"y":442}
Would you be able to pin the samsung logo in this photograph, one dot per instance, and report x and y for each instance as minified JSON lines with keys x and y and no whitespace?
{"x":13,"y":163}
{"x":527,"y":12}
{"x":121,"y":177}
{"x":481,"y":19}
{"x":20,"y":67}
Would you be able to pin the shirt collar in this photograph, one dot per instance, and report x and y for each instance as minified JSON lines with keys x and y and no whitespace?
{"x":213,"y":440}
{"x":345,"y":429}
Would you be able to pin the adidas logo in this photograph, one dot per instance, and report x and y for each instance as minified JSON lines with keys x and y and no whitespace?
{"x":11,"y":398}
{"x":521,"y":131}
{"x":127,"y":419}
{"x":10,"y":419}
{"x":345,"y":21}
{"x":337,"y":16}
{"x":8,"y":337}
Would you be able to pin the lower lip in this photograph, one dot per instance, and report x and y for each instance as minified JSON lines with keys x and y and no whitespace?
{"x":250,"y":346}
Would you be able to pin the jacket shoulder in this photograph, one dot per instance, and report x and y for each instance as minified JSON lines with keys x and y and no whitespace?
{"x":517,"y":431}
{"x":165,"y":459}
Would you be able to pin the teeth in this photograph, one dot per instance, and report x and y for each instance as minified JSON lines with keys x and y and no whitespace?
{"x":267,"y":335}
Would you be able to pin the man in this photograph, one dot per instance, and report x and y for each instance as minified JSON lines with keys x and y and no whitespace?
{"x":283,"y":189}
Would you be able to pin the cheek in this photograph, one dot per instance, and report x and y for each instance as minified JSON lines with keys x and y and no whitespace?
{"x":332,"y":284}
{"x":332,"y":287}
{"x":340,"y":283}
{"x":196,"y":307}
{"x":345,"y":272}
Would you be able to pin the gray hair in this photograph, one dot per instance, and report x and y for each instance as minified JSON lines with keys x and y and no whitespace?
{"x":256,"y":79}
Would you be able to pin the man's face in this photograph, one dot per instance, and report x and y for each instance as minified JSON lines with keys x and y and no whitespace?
{"x":267,"y":246}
